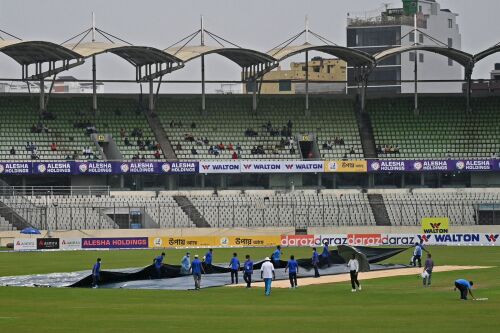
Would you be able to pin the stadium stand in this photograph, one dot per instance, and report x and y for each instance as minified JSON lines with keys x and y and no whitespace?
{"x":100,"y":212}
{"x":275,"y":209}
{"x":22,"y":125}
{"x":5,"y":225}
{"x":442,"y":129}
{"x":229,"y":118}
{"x":252,"y":208}
{"x":460,"y":205}
{"x":69,"y":125}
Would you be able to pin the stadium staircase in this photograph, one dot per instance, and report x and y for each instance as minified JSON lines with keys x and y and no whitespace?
{"x":12,"y":217}
{"x":161,"y":136}
{"x":379,"y":210}
{"x":366,"y":134}
{"x":191,"y":211}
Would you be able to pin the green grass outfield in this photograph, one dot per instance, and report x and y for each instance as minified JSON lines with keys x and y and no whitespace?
{"x":398,"y":304}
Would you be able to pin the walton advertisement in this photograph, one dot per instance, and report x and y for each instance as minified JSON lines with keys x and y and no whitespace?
{"x":435,"y":225}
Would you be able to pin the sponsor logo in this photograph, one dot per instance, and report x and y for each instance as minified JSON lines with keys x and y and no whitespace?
{"x":491,"y":238}
{"x":417,"y":165}
{"x":332,"y":166}
{"x":158,"y":242}
{"x":297,"y":240}
{"x":124,"y":167}
{"x":83,"y":167}
{"x":2,"y":168}
{"x":364,"y":239}
{"x":224,"y":241}
{"x":435,"y":225}
{"x":47,"y":244}
{"x":424,"y":238}
{"x":457,"y":238}
{"x":460,"y":165}
{"x":165,"y":167}
{"x":42,"y":168}
{"x":375,"y":166}
{"x":131,"y":242}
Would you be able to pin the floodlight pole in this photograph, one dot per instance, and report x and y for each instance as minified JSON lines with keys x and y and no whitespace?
{"x":307,"y":66}
{"x":307,"y":83}
{"x":94,"y":71}
{"x":202,"y":36}
{"x":416,"y":62}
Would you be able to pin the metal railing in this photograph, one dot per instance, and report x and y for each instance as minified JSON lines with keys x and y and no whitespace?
{"x":53,"y":190}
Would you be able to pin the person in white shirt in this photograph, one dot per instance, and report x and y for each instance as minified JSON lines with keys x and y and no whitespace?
{"x":353,"y":265}
{"x":267,"y":274}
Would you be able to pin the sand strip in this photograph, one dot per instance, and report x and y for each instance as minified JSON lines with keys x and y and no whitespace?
{"x":362,"y":276}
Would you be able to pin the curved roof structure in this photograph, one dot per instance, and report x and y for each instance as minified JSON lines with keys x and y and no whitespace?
{"x":31,"y":52}
{"x":351,"y":56}
{"x":241,"y":56}
{"x":486,"y":53}
{"x":463,"y":58}
{"x":136,"y":55}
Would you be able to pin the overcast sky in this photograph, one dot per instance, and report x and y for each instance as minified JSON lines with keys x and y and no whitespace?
{"x":258,"y":24}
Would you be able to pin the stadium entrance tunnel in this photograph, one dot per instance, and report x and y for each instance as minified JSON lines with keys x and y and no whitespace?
{"x":216,"y":275}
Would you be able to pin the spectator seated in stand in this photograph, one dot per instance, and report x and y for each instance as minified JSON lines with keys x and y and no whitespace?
{"x":12,"y":151}
{"x":189,"y":137}
{"x":292,"y":150}
{"x":199,"y":142}
{"x":157,"y":154}
{"x":238,"y":147}
{"x":126,"y":141}
{"x":34,"y":155}
{"x":250,"y":133}
{"x":90,"y":129}
{"x":221,"y":146}
{"x":193,"y":125}
{"x":230,"y":147}
{"x":135,"y":157}
{"x":205,"y":141}
{"x":53,"y":146}
{"x":193,"y":151}
{"x":143,"y":158}
{"x":178,"y":146}
{"x":67,"y":158}
{"x":123,"y":133}
{"x":234,"y":156}
{"x":328,"y":145}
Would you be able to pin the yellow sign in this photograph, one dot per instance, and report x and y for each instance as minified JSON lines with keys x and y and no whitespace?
{"x":249,"y":241}
{"x":213,"y":241}
{"x":435,"y":225}
{"x":346,"y":166}
{"x":175,"y":242}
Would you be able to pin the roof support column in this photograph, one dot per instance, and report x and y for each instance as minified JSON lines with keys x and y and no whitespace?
{"x":203,"y":84}
{"x":468,"y":78}
{"x":151,"y":96}
{"x":42,"y":94}
{"x":94,"y":85}
{"x":307,"y":113}
{"x":254,"y":95}
{"x":415,"y":33}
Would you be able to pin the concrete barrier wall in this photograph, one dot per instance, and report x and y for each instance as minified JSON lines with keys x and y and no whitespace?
{"x":8,"y":236}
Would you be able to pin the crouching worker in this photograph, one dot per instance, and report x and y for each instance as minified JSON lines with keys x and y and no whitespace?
{"x":464,"y":287}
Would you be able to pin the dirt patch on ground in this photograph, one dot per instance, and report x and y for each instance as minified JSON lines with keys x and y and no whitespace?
{"x":365,"y":276}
